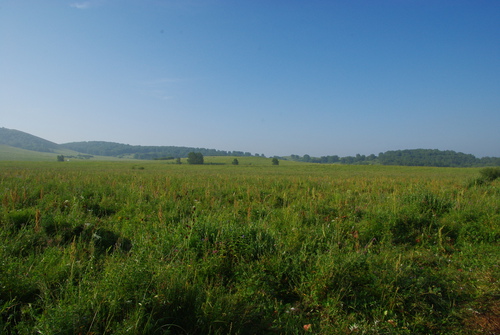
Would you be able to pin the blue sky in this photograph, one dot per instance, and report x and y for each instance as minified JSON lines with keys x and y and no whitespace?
{"x":273,"y":77}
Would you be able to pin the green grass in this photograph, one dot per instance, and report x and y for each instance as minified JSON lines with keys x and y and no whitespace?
{"x":8,"y":153}
{"x":151,"y":247}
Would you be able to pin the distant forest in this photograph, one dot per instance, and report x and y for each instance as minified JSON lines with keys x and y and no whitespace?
{"x":101,"y":148}
{"x":414,"y":157}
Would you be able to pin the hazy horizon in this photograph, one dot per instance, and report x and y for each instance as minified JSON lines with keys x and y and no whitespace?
{"x":268,"y":77}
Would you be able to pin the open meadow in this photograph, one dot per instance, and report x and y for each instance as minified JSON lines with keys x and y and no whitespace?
{"x":152,"y":247}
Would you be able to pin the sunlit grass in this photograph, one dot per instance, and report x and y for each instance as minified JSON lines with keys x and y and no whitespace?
{"x":155,"y":247}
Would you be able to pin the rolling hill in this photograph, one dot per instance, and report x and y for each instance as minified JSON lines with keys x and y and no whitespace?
{"x":18,"y":145}
{"x":22,"y":140}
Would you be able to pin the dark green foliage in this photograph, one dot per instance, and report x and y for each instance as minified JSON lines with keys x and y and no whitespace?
{"x":166,"y":158}
{"x":60,"y":158}
{"x":417,"y":217}
{"x":427,"y":157}
{"x":107,"y":241}
{"x":18,"y":219}
{"x":490,"y":174}
{"x":413,"y":157}
{"x":275,"y":161}
{"x":143,"y":152}
{"x":235,"y":161}
{"x":195,"y":158}
{"x":244,"y":244}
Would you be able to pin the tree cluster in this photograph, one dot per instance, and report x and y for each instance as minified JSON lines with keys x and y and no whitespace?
{"x":195,"y":158}
{"x":415,"y":157}
{"x":439,"y":158}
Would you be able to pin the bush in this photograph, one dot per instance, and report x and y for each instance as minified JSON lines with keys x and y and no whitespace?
{"x":487,"y":176}
{"x":490,"y":174}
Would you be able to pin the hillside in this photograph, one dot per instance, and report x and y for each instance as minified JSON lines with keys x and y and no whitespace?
{"x":22,"y":140}
{"x":16,"y":145}
{"x":9,"y":153}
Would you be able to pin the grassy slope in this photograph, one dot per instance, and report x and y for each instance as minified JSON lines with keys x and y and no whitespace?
{"x":8,"y":153}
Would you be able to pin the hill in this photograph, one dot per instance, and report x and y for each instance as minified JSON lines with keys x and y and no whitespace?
{"x":22,"y":140}
{"x":18,"y":145}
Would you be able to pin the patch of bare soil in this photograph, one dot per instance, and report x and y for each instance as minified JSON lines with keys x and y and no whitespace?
{"x":485,"y":319}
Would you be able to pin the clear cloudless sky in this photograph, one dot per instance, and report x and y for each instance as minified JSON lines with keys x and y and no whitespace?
{"x":276,"y":77}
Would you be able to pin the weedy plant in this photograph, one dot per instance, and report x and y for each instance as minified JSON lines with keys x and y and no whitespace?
{"x":106,"y":248}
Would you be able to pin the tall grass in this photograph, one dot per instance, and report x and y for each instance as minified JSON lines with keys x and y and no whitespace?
{"x":156,"y":248}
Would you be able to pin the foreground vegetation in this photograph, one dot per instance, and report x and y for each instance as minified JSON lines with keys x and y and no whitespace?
{"x":117,"y":248}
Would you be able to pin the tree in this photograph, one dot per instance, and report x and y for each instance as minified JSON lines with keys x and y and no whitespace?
{"x":275,"y":161}
{"x":235,"y":162}
{"x":178,"y":160}
{"x":60,"y":158}
{"x":195,"y":158}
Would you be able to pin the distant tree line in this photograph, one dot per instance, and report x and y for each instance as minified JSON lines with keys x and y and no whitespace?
{"x":415,"y":157}
{"x":102,"y":148}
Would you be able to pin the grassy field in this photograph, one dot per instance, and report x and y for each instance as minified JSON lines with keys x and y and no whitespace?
{"x":8,"y":153}
{"x":144,"y":247}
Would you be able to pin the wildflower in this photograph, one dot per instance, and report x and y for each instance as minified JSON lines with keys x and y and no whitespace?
{"x":307,"y":327}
